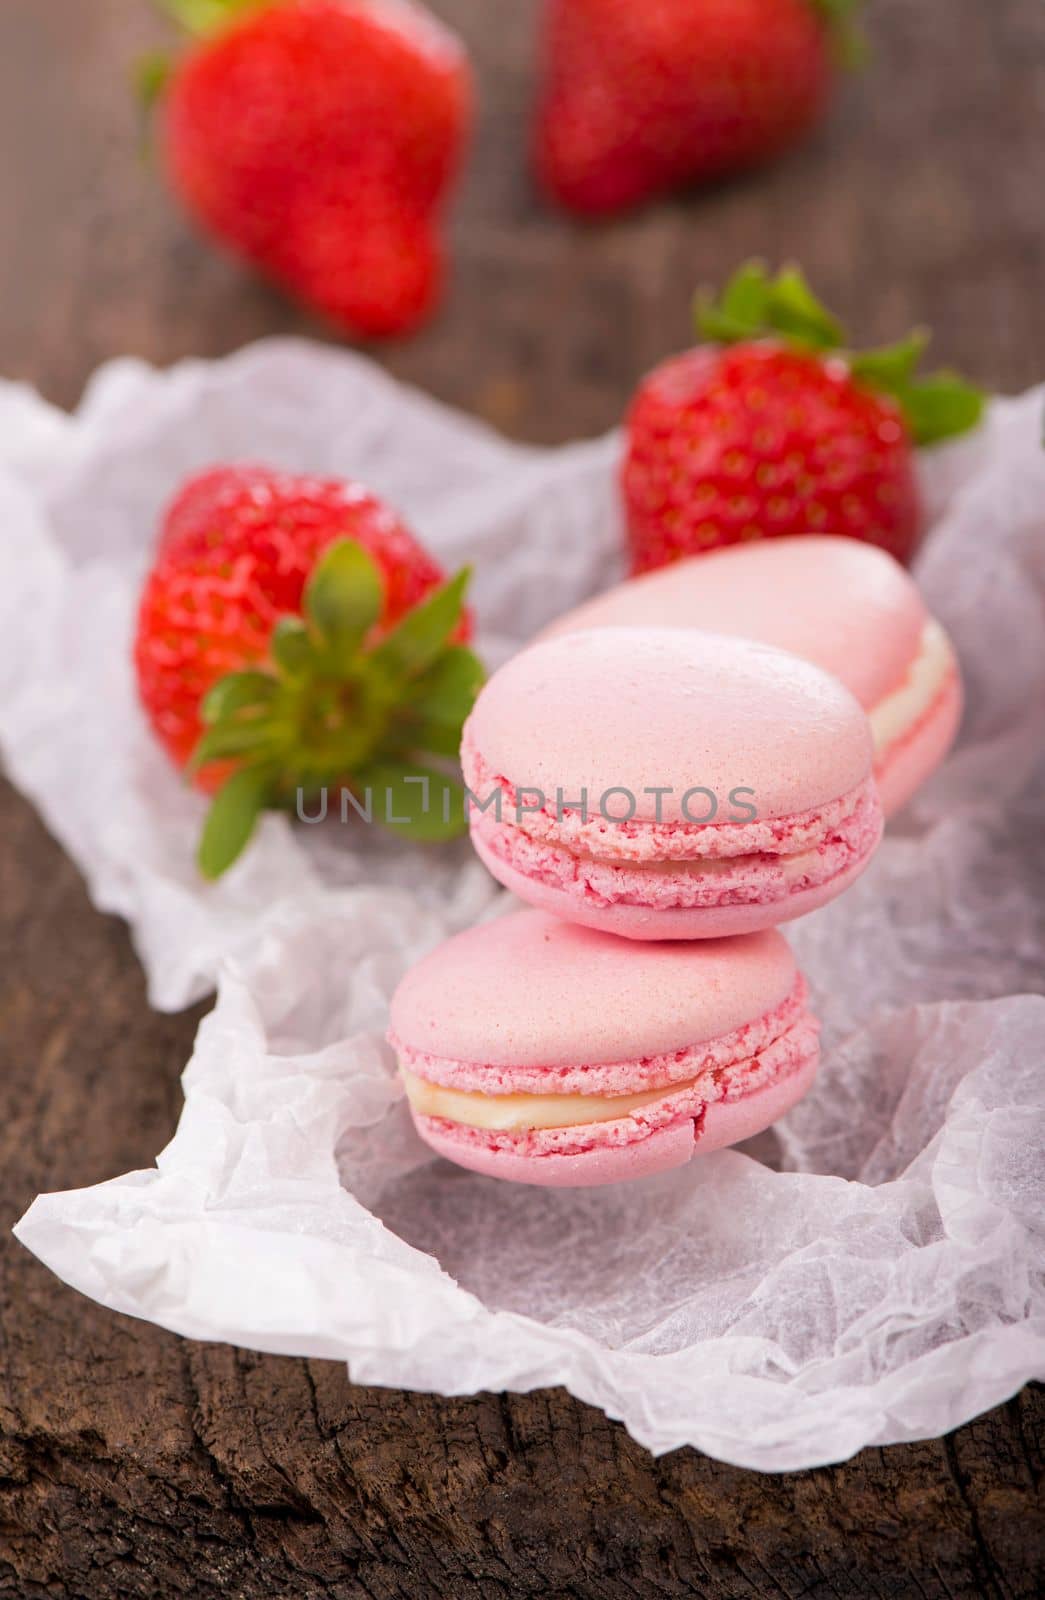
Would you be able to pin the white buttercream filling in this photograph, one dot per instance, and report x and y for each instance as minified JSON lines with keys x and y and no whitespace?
{"x":794,"y":866}
{"x":894,"y":716}
{"x":517,"y":1112}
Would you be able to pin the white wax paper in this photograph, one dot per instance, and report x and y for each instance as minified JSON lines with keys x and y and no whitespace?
{"x":870,"y":1271}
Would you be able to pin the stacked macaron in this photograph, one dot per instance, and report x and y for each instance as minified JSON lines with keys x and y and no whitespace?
{"x":665,"y":784}
{"x":541,"y":1051}
{"x":846,"y":606}
{"x":665,"y":776}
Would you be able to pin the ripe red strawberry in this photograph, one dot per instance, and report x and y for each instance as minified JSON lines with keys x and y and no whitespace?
{"x":294,"y":636}
{"x":774,"y":430}
{"x":318,"y":138}
{"x":639,"y":98}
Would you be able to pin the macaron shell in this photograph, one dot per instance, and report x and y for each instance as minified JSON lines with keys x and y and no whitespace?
{"x":634,"y":922}
{"x":723,"y":1123}
{"x":600,"y":999}
{"x":906,"y":765}
{"x":844,"y":605}
{"x":638,"y":709}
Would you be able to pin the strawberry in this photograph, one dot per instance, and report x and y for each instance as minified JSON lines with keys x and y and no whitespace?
{"x":293,"y":636}
{"x":639,"y":98}
{"x":317,"y":139}
{"x":773,"y":430}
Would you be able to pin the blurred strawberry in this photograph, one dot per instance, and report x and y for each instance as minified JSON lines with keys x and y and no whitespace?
{"x":294,"y":636}
{"x":318,"y":138}
{"x":639,"y":98}
{"x":773,"y":430}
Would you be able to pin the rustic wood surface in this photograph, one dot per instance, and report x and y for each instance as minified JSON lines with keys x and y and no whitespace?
{"x":133,"y":1463}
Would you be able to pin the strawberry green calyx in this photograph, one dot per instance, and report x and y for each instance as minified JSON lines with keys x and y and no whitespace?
{"x":756,"y":306}
{"x":201,"y":17}
{"x":150,"y":76}
{"x":753,"y":306}
{"x":938,"y":406}
{"x":850,"y":46}
{"x":153,"y":72}
{"x":336,"y":708}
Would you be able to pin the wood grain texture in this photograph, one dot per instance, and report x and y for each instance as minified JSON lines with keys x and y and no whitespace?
{"x":136,"y":1464}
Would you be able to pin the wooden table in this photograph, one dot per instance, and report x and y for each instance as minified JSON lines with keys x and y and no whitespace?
{"x":133,"y":1463}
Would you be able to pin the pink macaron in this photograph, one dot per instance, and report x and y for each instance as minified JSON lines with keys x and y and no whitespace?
{"x":661,"y":783}
{"x":846,"y":606}
{"x":543,"y":1052}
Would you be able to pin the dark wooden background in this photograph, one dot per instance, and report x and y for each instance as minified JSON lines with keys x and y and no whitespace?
{"x":136,"y":1464}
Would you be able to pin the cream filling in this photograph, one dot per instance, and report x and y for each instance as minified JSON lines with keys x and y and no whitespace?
{"x":708,"y":866}
{"x":512,"y":1113}
{"x":894,"y":716}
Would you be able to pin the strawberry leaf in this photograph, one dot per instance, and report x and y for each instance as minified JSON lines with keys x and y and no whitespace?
{"x":937,"y":407}
{"x":227,"y":740}
{"x":344,"y":598}
{"x":746,"y":295}
{"x":742,"y":310}
{"x":151,"y":76}
{"x":891,"y":367}
{"x":415,"y":642}
{"x":201,"y":17}
{"x":232,"y":816}
{"x":713,"y":324}
{"x":795,"y":310}
{"x":291,"y":648}
{"x":940,"y":407}
{"x":450,"y":686}
{"x":414,"y":801}
{"x":444,"y":697}
{"x":850,"y":45}
{"x":755,"y":306}
{"x":237,"y":692}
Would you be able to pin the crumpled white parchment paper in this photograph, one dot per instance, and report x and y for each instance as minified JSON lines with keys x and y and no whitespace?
{"x":870,"y":1271}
